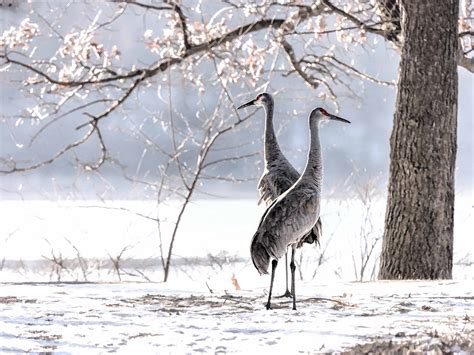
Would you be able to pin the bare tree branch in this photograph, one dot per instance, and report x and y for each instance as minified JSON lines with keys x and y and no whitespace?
{"x":146,"y":6}
{"x":112,"y":107}
{"x":119,"y":209}
{"x":182,"y":19}
{"x":353,"y":19}
{"x":162,"y":65}
{"x":309,"y":79}
{"x":103,"y":149}
{"x":57,"y":118}
{"x":359,"y":73}
{"x":218,"y":161}
{"x":466,"y":33}
{"x":67,"y":148}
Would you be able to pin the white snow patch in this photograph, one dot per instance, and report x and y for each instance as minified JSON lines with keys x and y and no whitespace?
{"x":30,"y":230}
{"x":144,"y":317}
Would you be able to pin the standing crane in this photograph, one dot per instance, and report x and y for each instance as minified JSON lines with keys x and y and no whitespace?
{"x":294,"y":213}
{"x":278,"y":175}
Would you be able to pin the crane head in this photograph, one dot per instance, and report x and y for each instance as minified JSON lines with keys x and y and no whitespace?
{"x":262,"y":99}
{"x":321,"y":114}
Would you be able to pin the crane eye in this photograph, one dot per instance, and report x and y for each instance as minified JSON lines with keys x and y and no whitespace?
{"x":259,"y":96}
{"x":323,"y":111}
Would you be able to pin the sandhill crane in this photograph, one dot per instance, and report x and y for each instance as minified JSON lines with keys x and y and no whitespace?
{"x":278,"y":175}
{"x":294,"y":213}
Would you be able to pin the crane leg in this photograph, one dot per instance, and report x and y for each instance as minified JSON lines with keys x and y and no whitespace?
{"x":287,"y":292}
{"x":274,"y":265}
{"x":293,"y":267}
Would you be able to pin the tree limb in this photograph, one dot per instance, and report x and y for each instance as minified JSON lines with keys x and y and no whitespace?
{"x":309,"y":79}
{"x":67,"y":148}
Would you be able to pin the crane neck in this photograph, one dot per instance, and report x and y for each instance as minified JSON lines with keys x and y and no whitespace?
{"x":272,"y":150}
{"x":313,"y":172}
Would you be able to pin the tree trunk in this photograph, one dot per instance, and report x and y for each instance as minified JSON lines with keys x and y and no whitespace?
{"x":418,"y":236}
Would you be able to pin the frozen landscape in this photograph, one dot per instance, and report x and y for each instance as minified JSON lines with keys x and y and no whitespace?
{"x":214,"y":301}
{"x":138,"y":318}
{"x":128,"y":175}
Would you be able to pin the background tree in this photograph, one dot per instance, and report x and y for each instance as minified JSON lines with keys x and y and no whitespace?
{"x":418,"y":238}
{"x":77,"y":83}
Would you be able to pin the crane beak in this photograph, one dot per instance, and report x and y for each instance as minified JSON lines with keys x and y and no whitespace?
{"x":337,"y":118}
{"x":250,"y":103}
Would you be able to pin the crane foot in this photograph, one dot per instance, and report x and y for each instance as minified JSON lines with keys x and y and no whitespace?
{"x":287,"y":294}
{"x":267,"y":306}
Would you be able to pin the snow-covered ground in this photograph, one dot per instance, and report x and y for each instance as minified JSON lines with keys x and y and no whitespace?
{"x":137,"y":318}
{"x":214,"y":301}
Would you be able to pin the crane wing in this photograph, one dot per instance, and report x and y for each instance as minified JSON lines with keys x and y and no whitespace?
{"x":314,"y":236}
{"x":285,"y":221}
{"x":278,"y":177}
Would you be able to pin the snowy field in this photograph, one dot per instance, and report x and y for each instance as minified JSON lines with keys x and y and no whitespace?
{"x":137,"y":318}
{"x":213,"y":235}
{"x":214,"y":301}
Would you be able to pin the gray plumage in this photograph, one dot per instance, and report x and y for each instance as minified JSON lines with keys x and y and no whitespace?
{"x":285,"y":223}
{"x":293,"y":215}
{"x":278,"y":175}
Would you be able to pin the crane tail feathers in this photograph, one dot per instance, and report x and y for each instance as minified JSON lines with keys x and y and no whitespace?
{"x":260,"y":256}
{"x":314,"y":235}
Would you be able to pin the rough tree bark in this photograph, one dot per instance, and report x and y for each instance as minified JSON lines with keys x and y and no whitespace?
{"x":418,"y":236}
